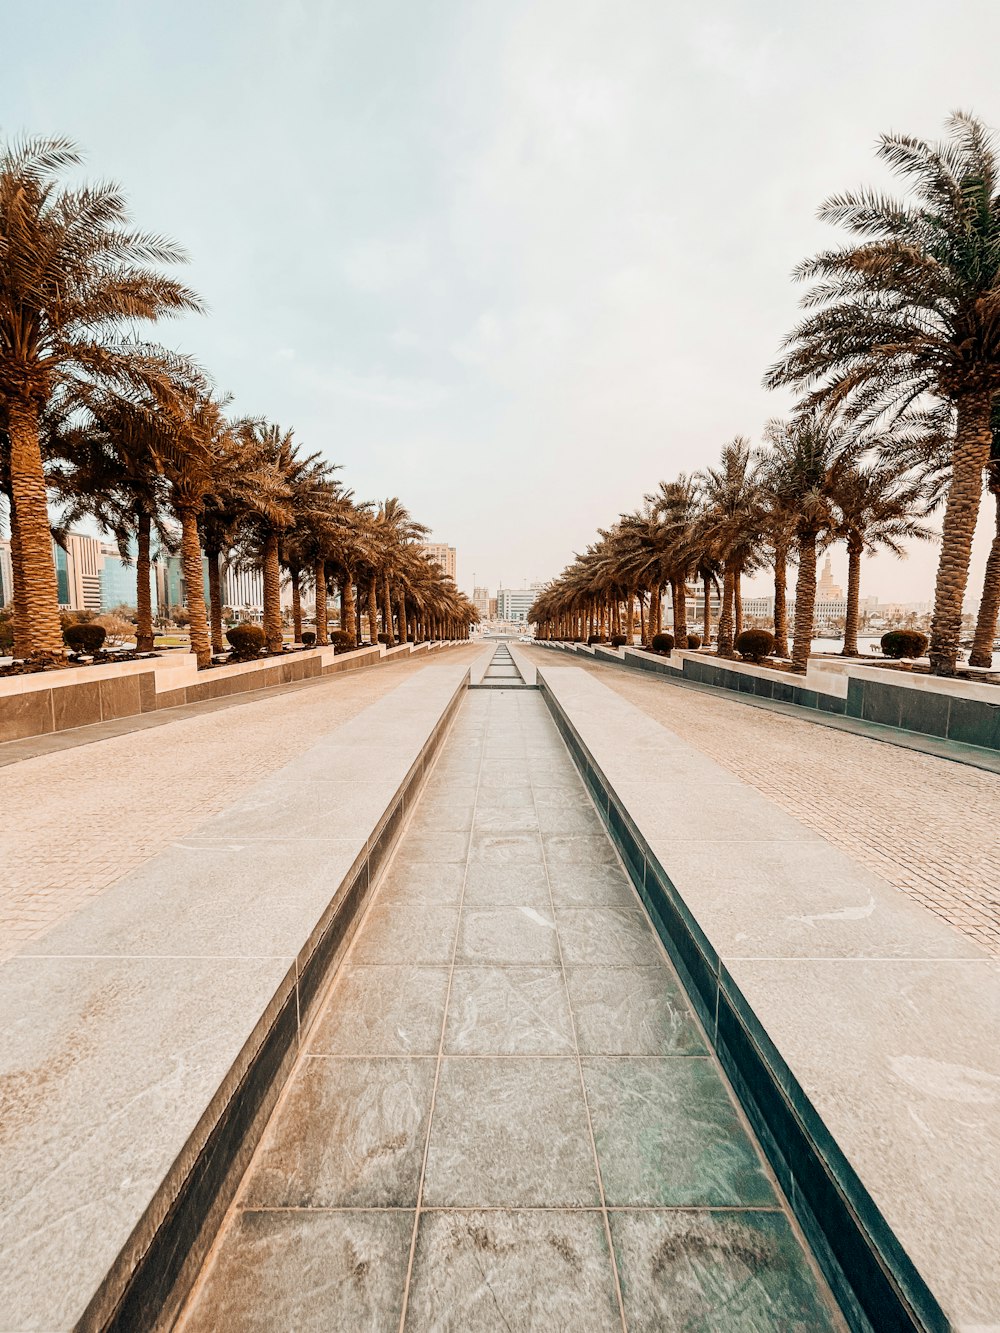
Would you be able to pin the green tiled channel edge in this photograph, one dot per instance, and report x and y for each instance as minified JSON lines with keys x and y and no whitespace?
{"x":146,"y":1290}
{"x":869,"y":1272}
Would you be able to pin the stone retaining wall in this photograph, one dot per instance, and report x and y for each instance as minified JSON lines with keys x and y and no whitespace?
{"x":50,"y":701}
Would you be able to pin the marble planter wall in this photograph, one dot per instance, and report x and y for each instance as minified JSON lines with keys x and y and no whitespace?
{"x":37,"y":705}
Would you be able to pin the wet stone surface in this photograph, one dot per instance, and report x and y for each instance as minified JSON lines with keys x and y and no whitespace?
{"x":506,"y":1117}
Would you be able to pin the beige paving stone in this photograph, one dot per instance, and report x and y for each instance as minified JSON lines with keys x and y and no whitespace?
{"x":926,"y":825}
{"x":76,"y":821}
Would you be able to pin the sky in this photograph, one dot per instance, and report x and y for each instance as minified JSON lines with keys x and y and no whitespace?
{"x":514,"y":261}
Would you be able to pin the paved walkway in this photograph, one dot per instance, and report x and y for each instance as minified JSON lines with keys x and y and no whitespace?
{"x":506,"y":1116}
{"x":927,"y":826}
{"x":75,"y":821}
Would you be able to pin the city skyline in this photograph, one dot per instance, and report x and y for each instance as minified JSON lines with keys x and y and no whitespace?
{"x":514,"y":291}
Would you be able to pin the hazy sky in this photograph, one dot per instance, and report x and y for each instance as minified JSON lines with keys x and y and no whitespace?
{"x":512,"y":260}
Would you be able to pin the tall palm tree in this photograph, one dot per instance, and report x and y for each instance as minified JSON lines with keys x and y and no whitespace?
{"x":732,"y":525}
{"x":913,"y":309}
{"x":875,"y":508}
{"x":73,"y":280}
{"x":399,"y":530}
{"x":779,"y":521}
{"x":194,"y":446}
{"x":102,"y":467}
{"x":808,"y":458}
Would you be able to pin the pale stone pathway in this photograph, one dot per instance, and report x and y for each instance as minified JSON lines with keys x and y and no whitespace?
{"x":506,"y":1116}
{"x":74,"y":822}
{"x":926,"y":825}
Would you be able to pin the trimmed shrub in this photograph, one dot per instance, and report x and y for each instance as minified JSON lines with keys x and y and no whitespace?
{"x":86,"y":638}
{"x":694,"y":640}
{"x":308,"y":638}
{"x":342,"y":641}
{"x":595,"y":638}
{"x":904,"y":643}
{"x":753,"y":645}
{"x":247,"y":641}
{"x":384,"y":638}
{"x":618,"y":641}
{"x":663,"y":643}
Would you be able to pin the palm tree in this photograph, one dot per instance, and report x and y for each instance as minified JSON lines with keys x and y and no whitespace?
{"x":100,"y":466}
{"x":732,"y":525}
{"x":195,"y":447}
{"x":399,"y":530}
{"x":804,"y":469}
{"x":779,"y":530}
{"x":913,"y":309}
{"x":71,"y":277}
{"x":989,"y":604}
{"x":875,"y":508}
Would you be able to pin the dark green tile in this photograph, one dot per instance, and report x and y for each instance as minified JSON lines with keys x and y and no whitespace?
{"x":739,"y":1271}
{"x":923,"y":711}
{"x":880,"y":704}
{"x":974,"y":723}
{"x":668,"y":1135}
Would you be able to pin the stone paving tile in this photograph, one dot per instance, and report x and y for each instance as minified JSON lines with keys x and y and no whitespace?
{"x":743,"y":1272}
{"x":77,"y":820}
{"x":310,"y":1271}
{"x":926,"y":825}
{"x":511,"y":1270}
{"x":503,"y":1069}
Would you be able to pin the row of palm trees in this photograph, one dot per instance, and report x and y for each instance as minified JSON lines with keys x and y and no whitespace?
{"x":134,"y":436}
{"x":897,"y":362}
{"x":805,"y":488}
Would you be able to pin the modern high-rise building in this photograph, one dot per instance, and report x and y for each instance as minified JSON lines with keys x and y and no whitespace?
{"x":513,"y":604}
{"x":481,"y":601}
{"x":119,"y":580}
{"x":78,"y":571}
{"x":170,"y":589}
{"x":445,"y":557}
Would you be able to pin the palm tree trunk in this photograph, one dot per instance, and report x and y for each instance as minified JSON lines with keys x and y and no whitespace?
{"x":680,"y":613}
{"x":780,"y":600}
{"x":642,"y":616}
{"x":401,"y":614}
{"x":39,"y":589}
{"x":272,"y":594}
{"x":372,"y":611}
{"x":143,"y":600}
{"x":986,"y":624}
{"x":738,"y":602}
{"x":22,"y":647}
{"x":854,"y":550}
{"x":296,"y":605}
{"x":349,"y":621}
{"x":706,"y":627}
{"x":805,"y":601}
{"x":387,"y":611}
{"x":322,"y":625}
{"x":357,"y":616}
{"x":215,"y":599}
{"x":725,"y":644}
{"x":194,"y":586}
{"x":970,"y":456}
